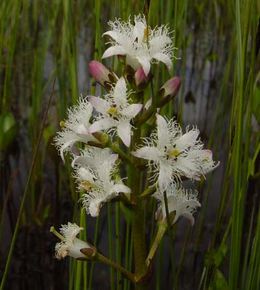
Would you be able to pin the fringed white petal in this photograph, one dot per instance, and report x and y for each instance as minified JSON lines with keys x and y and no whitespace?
{"x":114,"y":50}
{"x":99,"y":104}
{"x":124,"y":132}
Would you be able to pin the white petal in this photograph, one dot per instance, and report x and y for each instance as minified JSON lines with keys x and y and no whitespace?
{"x":145,"y":63}
{"x":162,"y":132}
{"x":94,"y":207}
{"x":114,"y":50}
{"x":99,"y":104}
{"x":124,"y":132}
{"x":188,"y":139}
{"x":102,"y":124}
{"x":132,"y":110}
{"x":120,"y":188}
{"x":187,"y":166}
{"x":64,"y":148}
{"x":163,"y":58}
{"x":139,"y":28}
{"x":119,"y":94}
{"x":132,"y":61}
{"x":74,"y":249}
{"x":165,"y":176}
{"x":149,"y":153}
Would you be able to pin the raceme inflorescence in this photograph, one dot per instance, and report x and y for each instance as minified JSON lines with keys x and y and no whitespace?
{"x":122,"y":148}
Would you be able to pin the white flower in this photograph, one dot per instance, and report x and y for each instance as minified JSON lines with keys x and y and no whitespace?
{"x":116,"y":112}
{"x":76,"y":127}
{"x":94,"y":172}
{"x":139,"y":43}
{"x":70,"y":245}
{"x":173,"y":154}
{"x":182,"y":202}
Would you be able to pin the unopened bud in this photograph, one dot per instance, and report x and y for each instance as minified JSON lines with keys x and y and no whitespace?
{"x":100,"y":73}
{"x":171,"y":87}
{"x":140,"y":78}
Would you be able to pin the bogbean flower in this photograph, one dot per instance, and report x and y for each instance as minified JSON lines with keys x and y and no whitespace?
{"x":139,"y":43}
{"x":69,"y":245}
{"x":173,"y":154}
{"x":75,"y":128}
{"x":94,"y":172}
{"x":115,"y":112}
{"x":180,"y":201}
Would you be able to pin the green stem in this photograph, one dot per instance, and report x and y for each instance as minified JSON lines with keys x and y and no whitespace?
{"x":148,"y":192}
{"x":159,"y":235}
{"x":105,"y":260}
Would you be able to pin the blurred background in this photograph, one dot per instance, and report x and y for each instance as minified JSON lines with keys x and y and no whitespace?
{"x":45,"y":47}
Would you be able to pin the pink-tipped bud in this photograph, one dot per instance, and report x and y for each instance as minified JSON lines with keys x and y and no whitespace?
{"x":100,"y":73}
{"x":171,"y":87}
{"x":140,"y":78}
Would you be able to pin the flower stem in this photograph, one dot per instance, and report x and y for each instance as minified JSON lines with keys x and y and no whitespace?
{"x":107,"y":261}
{"x":159,"y":235}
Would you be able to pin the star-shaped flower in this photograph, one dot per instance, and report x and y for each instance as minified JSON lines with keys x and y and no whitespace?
{"x":70,"y":245}
{"x":115,"y":112}
{"x":173,"y":154}
{"x":95,"y":172}
{"x":179,"y":201}
{"x":75,"y":128}
{"x":139,"y":43}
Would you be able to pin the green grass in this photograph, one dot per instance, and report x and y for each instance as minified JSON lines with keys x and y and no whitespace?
{"x":220,"y":34}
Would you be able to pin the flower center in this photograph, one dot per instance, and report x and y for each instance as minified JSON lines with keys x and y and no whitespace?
{"x":87,"y":185}
{"x":113,"y":112}
{"x":173,"y":153}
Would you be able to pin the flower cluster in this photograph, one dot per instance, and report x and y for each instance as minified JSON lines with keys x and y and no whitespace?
{"x":98,"y":133}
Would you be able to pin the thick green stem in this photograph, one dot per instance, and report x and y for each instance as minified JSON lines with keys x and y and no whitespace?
{"x":138,"y":226}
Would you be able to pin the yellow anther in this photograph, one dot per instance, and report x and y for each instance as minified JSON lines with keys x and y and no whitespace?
{"x":87,"y":185}
{"x":174,"y":153}
{"x":62,"y":124}
{"x":112,"y":111}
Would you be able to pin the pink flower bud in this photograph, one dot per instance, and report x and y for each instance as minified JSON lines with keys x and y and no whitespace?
{"x":171,"y":87}
{"x":100,"y":73}
{"x":140,"y":78}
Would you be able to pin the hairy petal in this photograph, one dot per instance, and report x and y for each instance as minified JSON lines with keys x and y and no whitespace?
{"x":102,"y":124}
{"x":149,"y":153}
{"x":114,"y":50}
{"x":124,"y":132}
